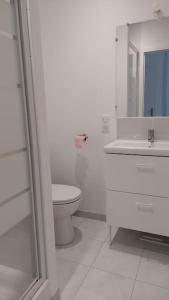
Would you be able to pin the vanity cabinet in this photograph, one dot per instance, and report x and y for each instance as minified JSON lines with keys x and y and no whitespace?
{"x":138,"y":192}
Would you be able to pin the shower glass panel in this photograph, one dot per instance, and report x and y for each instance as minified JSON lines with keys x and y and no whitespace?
{"x":19,"y":267}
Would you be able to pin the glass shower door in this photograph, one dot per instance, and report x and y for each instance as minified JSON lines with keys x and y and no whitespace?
{"x":20,"y":267}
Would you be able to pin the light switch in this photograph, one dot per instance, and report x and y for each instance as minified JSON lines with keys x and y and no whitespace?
{"x":106,"y":120}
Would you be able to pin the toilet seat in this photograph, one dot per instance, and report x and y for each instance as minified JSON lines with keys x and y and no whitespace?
{"x":65,"y":194}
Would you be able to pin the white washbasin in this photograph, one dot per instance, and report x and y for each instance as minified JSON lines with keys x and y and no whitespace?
{"x":138,"y":147}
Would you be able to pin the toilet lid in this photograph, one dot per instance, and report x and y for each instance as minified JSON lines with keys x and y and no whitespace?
{"x":64,"y":193}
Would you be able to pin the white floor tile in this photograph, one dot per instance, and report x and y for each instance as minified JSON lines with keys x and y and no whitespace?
{"x":70,"y":277}
{"x":77,"y":221}
{"x":144,"y":291}
{"x":100,"y":285}
{"x":122,"y":257}
{"x":154,"y":269}
{"x":94,"y":229}
{"x":115,"y":267}
{"x":83,"y":252}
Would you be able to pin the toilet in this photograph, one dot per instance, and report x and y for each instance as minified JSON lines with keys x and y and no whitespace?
{"x":66,"y":200}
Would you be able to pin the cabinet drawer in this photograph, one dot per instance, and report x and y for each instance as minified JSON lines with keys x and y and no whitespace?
{"x":138,"y":212}
{"x":138,"y":174}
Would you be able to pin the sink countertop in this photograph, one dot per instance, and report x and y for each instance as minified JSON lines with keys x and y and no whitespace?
{"x":138,"y":147}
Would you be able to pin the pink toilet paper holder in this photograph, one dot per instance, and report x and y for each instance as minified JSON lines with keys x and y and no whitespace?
{"x":84,"y":135}
{"x":80,"y":140}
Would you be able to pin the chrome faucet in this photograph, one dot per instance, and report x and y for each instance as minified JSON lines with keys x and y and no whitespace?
{"x":151,"y":135}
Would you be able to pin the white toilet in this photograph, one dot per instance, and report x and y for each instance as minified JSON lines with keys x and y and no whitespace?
{"x":66,"y":200}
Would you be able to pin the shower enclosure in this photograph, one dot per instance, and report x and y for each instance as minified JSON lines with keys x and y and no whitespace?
{"x":22,"y":258}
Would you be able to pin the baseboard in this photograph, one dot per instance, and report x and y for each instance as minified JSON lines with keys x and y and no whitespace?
{"x":90,"y":215}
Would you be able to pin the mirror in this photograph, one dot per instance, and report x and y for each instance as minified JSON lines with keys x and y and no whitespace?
{"x":142,"y":69}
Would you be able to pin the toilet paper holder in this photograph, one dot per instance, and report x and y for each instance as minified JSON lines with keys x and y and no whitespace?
{"x":84,"y":135}
{"x":80,"y":140}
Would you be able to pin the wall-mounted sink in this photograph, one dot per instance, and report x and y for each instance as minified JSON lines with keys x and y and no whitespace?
{"x":138,"y":147}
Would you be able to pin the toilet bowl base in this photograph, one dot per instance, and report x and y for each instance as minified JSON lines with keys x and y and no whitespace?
{"x":64,"y":230}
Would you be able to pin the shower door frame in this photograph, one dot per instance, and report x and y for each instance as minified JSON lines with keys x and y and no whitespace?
{"x":21,"y":8}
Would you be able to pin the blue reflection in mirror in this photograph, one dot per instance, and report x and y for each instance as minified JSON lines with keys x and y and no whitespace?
{"x":156,"y":83}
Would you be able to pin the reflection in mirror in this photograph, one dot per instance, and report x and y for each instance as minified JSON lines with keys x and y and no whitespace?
{"x":143,"y":69}
{"x":156,"y":83}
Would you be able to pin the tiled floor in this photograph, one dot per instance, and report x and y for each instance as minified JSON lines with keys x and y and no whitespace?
{"x":90,"y":269}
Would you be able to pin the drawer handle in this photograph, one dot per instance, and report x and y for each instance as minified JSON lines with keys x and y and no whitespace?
{"x":146,"y":168}
{"x":145,"y":207}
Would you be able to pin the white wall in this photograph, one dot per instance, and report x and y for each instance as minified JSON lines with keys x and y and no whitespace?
{"x":79,"y":62}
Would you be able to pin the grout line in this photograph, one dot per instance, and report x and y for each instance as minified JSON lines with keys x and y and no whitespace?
{"x":88,"y":237}
{"x":97,"y":254}
{"x":82,"y":282}
{"x":138,"y":268}
{"x":113,"y":273}
{"x":79,"y":264}
{"x":75,"y":261}
{"x":132,"y":291}
{"x":149,"y":283}
{"x":90,"y":268}
{"x":153,"y":284}
{"x":71,"y":260}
